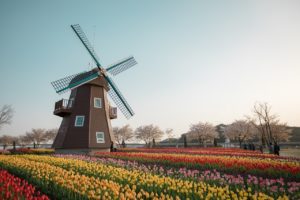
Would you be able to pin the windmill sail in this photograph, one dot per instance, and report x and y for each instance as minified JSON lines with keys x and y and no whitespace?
{"x":73,"y":81}
{"x":121,"y":66}
{"x":79,"y":32}
{"x":119,"y":99}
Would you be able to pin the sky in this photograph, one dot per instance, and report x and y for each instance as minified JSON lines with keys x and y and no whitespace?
{"x":207,"y":61}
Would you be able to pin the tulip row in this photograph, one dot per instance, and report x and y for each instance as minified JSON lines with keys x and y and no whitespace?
{"x":14,"y":188}
{"x":208,"y":151}
{"x":4,"y":151}
{"x":245,"y":165}
{"x":59,"y":173}
{"x":32,"y":151}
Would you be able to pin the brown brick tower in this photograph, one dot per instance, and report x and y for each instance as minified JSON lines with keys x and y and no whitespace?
{"x":86,"y":116}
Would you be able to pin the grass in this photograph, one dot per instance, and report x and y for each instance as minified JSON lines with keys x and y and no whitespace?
{"x":290,"y":152}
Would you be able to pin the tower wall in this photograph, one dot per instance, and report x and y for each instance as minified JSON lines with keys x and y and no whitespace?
{"x":77,"y":137}
{"x":100,"y":121}
{"x":72,"y":139}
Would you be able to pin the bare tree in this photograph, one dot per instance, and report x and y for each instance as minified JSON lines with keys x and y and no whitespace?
{"x":169,"y":133}
{"x":148,"y":132}
{"x":123,"y":134}
{"x":6,"y":114}
{"x":50,"y":134}
{"x":37,"y":136}
{"x":24,"y":140}
{"x":203,"y":132}
{"x":280,"y":132}
{"x":240,"y":130}
{"x":267,"y":124}
{"x":6,"y":140}
{"x":262,"y":120}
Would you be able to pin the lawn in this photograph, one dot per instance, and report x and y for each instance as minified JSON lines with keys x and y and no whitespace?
{"x":290,"y":152}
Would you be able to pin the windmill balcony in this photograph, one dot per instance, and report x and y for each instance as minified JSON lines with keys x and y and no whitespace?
{"x":113,"y":112}
{"x":63,"y":107}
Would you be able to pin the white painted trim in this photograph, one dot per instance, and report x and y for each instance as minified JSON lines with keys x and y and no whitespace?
{"x":77,"y":116}
{"x":98,"y":133}
{"x":95,"y":99}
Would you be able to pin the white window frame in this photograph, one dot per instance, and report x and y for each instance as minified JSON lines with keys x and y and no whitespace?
{"x":76,"y":121}
{"x":95,"y":100}
{"x":100,"y":141}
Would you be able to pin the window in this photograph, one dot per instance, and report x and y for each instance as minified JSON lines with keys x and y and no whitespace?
{"x":79,"y":121}
{"x":100,"y":137}
{"x":97,"y":103}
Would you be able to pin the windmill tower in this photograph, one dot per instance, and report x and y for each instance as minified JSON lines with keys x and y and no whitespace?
{"x":86,"y":127}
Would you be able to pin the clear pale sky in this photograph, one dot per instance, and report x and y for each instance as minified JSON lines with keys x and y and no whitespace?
{"x":197,"y":60}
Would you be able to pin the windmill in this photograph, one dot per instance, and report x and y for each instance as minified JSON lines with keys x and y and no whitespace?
{"x":86,"y":125}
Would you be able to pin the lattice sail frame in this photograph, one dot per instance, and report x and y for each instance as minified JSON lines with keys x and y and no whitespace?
{"x":119,"y":99}
{"x":121,"y":65}
{"x":64,"y":84}
{"x":81,"y":35}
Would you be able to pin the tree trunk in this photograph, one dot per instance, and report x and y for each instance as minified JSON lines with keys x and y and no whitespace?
{"x":184,"y":141}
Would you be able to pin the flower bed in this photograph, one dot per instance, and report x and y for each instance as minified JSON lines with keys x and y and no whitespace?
{"x":4,"y":151}
{"x":67,"y":178}
{"x":243,"y":165}
{"x":273,"y":186}
{"x":32,"y":151}
{"x":208,"y":151}
{"x":14,"y":188}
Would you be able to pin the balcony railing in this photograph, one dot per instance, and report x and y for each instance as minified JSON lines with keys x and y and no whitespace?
{"x":63,"y":107}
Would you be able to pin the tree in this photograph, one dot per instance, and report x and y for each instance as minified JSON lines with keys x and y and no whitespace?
{"x":268,"y":125}
{"x":6,"y":140}
{"x":240,"y":130}
{"x":147,"y":133}
{"x":169,"y":133}
{"x":37,"y":136}
{"x":123,"y":134}
{"x":262,"y":121}
{"x":50,"y":134}
{"x":6,"y":114}
{"x":203,"y":132}
{"x":24,"y":140}
{"x":280,"y":132}
{"x":184,"y":141}
{"x":153,"y":142}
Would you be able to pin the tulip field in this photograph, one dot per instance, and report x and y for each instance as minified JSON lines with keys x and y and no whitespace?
{"x":141,"y":173}
{"x":12,"y":187}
